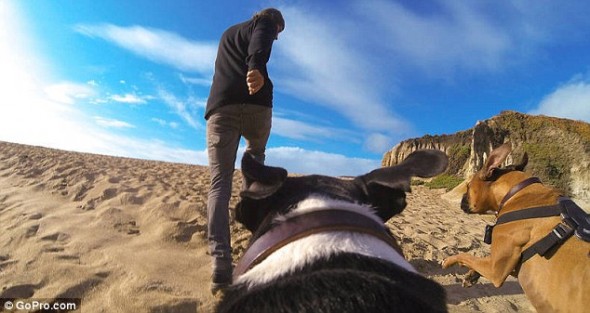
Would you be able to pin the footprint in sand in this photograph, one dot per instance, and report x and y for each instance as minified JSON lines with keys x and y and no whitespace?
{"x":5,"y":262}
{"x":81,"y":191}
{"x":24,"y":291}
{"x":53,"y":249}
{"x":69,"y":257}
{"x":90,"y":205}
{"x":31,"y":231}
{"x":57,"y":240}
{"x":188,"y":305}
{"x":58,"y":236}
{"x":3,"y":200}
{"x":109,"y":193}
{"x":35,"y":216}
{"x":79,"y":290}
{"x":185,"y":230}
{"x":129,"y":227}
{"x":129,"y":197}
{"x":114,"y":180}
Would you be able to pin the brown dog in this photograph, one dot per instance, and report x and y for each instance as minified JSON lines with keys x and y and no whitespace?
{"x":555,"y":272}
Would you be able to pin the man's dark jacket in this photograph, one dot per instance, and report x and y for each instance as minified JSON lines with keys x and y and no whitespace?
{"x":242,"y":47}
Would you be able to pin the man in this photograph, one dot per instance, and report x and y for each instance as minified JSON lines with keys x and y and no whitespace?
{"x":239,"y":104}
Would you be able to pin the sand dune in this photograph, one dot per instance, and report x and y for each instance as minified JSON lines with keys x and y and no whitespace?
{"x":128,"y":235}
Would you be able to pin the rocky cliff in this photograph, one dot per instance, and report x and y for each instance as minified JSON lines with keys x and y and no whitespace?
{"x":558,"y":149}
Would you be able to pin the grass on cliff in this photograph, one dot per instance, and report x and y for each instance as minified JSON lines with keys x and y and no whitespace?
{"x":458,"y":154}
{"x":551,"y":163}
{"x":446,"y":181}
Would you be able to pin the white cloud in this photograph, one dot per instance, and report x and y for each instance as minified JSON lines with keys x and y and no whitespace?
{"x":303,"y":131}
{"x":36,"y":111}
{"x":28,"y":115}
{"x":185,"y":109}
{"x":379,"y":143}
{"x":205,"y":82}
{"x":68,"y":92}
{"x":546,"y":21}
{"x":150,"y":149}
{"x":160,"y":121}
{"x":164,"y":123}
{"x":330,"y":60}
{"x":451,"y":38}
{"x":128,"y":98}
{"x":328,"y":73}
{"x":112,"y":123}
{"x":458,"y":35}
{"x":571,"y":100}
{"x":322,"y":66}
{"x":157,"y":45}
{"x":301,"y":161}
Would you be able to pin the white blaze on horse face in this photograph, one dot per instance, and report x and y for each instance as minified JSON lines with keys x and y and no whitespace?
{"x":310,"y":249}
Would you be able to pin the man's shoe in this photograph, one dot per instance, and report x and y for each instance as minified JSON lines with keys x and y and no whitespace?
{"x":221,"y":276}
{"x":221,"y":279}
{"x":217,"y":287}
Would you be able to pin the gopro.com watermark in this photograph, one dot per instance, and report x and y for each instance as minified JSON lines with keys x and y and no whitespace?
{"x":41,"y":305}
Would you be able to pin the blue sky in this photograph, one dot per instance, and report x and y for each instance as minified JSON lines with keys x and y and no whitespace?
{"x":352,"y":78}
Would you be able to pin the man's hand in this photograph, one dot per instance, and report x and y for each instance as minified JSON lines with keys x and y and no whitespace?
{"x":255,"y":81}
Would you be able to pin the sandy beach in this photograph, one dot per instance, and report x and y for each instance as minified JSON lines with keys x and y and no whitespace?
{"x":128,"y":235}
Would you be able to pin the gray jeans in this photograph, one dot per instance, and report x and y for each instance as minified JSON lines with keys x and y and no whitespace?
{"x":224,"y":128}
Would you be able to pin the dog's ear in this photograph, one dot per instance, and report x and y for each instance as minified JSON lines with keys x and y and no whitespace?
{"x":260,"y":181}
{"x":523,"y":162}
{"x":495,"y":160}
{"x":251,"y":212}
{"x":385,"y":188}
{"x":421,"y":163}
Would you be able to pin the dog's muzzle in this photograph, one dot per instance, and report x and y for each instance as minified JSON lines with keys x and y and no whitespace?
{"x":465,"y":204}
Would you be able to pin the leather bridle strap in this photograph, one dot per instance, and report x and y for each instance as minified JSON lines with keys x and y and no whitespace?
{"x":301,"y":226}
{"x":518,"y":187}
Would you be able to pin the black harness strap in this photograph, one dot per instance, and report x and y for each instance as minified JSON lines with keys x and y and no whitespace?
{"x":538,"y":212}
{"x":511,"y":216}
{"x":543,"y":211}
{"x":556,"y":237}
{"x":574,"y":220}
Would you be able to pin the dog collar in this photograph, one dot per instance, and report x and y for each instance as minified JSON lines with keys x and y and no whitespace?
{"x":516,"y":188}
{"x":301,"y":226}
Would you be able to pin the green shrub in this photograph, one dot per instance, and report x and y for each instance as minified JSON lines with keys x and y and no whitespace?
{"x":551,"y":163}
{"x":417,"y":182}
{"x":458,"y":155}
{"x":444,"y":181}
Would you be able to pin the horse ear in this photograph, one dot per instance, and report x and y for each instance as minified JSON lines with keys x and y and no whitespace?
{"x":495,"y":160}
{"x":260,"y":181}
